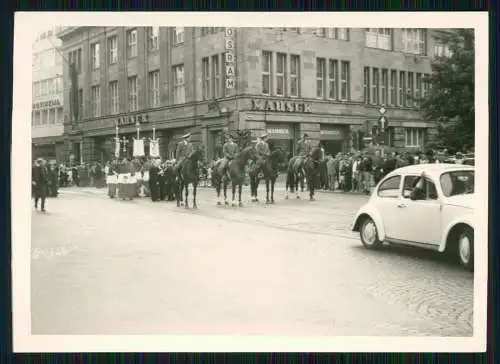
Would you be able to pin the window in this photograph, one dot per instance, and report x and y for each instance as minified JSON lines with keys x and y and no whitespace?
{"x":376,"y":86}
{"x":57,"y":85}
{"x":320,"y":32}
{"x":414,"y":137}
{"x":132,"y":94}
{"x":80,"y":104}
{"x":113,"y":50}
{"x":95,"y":56}
{"x":429,"y":187}
{"x":210,"y":30}
{"x":154,"y":88}
{"x":179,"y":92}
{"x":333,"y":72}
{"x":366,"y":84}
{"x":414,"y":41}
{"x":331,"y":33}
{"x":280,"y":74}
{"x":390,"y":187}
{"x":442,"y":51}
{"x":457,"y":183}
{"x":52,"y":116}
{"x":378,"y":38}
{"x":294,"y":75}
{"x":206,"y":77}
{"x":402,"y":88}
{"x":153,"y":38}
{"x":36,"y":118}
{"x":418,"y":90}
{"x":394,"y":88}
{"x":113,"y":97}
{"x":343,"y":33}
{"x":266,"y":73}
{"x":43,"y":117}
{"x":96,"y":101}
{"x":216,"y":76}
{"x":409,"y":98}
{"x":75,"y":57}
{"x":426,"y":85}
{"x":345,"y":82}
{"x":384,"y":87}
{"x":320,"y":77}
{"x":132,"y":43}
{"x":178,"y":35}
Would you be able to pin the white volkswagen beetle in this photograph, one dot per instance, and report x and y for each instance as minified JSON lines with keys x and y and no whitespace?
{"x":429,"y":206}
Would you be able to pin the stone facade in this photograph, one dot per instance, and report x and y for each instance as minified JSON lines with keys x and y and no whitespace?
{"x":331,"y":121}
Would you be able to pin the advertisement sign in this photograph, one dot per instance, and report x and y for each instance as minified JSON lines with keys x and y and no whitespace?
{"x":230,"y":59}
{"x":281,"y":106}
{"x":331,"y":133}
{"x":279,"y":132}
{"x":46,"y":104}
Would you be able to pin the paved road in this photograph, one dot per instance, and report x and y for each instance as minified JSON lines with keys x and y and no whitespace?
{"x":102,"y":266}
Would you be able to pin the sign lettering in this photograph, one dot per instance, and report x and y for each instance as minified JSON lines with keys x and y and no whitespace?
{"x":229,"y":58}
{"x":330,"y":132}
{"x":46,"y":104}
{"x":281,"y":131}
{"x":132,"y":120}
{"x":280,"y":106}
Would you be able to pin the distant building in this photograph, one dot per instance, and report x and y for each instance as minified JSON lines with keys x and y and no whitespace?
{"x":47,"y":117}
{"x":327,"y":82}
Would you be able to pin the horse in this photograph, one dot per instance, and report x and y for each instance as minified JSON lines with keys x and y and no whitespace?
{"x":310,"y":171}
{"x":236,"y":171}
{"x":169,"y":183}
{"x":270,"y":174}
{"x":189,"y":174}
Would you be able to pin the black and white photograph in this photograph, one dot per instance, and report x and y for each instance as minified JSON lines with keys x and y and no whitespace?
{"x":250,"y":181}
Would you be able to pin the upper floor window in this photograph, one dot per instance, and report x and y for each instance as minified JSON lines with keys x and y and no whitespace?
{"x":216,"y":75}
{"x":266,"y":73}
{"x":280,"y":74}
{"x":294,"y":75}
{"x":442,"y":51}
{"x":113,"y":97}
{"x":75,"y":57}
{"x":414,"y":137}
{"x":113,"y":49}
{"x":414,"y":41}
{"x":154,"y":88}
{"x":379,"y":38}
{"x":178,"y":35}
{"x":132,"y":43}
{"x":96,"y":101}
{"x":333,"y":79}
{"x":95,"y":55}
{"x":345,"y":80}
{"x":320,"y":77}
{"x":179,"y":90}
{"x":132,"y":94}
{"x":205,"y":70}
{"x":210,"y":30}
{"x":153,"y":38}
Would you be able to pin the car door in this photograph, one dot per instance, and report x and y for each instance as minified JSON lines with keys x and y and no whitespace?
{"x":386,"y":202}
{"x":420,"y":220}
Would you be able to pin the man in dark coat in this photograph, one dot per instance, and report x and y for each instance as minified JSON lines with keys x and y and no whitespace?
{"x":39,"y":182}
{"x":154,"y":181}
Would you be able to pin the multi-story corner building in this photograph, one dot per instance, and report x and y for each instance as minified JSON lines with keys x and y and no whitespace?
{"x":47,"y":118}
{"x":327,"y":82}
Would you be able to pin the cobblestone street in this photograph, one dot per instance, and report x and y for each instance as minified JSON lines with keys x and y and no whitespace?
{"x":103,"y":266}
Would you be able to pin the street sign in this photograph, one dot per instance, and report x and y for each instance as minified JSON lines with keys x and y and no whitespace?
{"x":382,"y":123}
{"x":382,"y":138}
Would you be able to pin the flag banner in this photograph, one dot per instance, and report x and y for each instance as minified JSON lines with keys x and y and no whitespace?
{"x":117,"y":148}
{"x":154,"y":148}
{"x":138,"y":147}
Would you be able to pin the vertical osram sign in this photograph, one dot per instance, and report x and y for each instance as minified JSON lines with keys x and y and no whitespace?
{"x":230,"y":59}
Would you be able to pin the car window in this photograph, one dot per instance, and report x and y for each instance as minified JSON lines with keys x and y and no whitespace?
{"x":457,"y":183}
{"x":431,"y":190}
{"x":390,"y":187}
{"x":408,"y":185}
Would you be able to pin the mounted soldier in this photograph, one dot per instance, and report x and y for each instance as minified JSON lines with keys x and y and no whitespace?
{"x":304,"y":149}
{"x":262,"y":153}
{"x":183,"y":151}
{"x":229,"y":151}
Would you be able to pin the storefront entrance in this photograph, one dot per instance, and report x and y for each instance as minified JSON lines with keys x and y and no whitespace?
{"x":281,"y":138}
{"x":333,"y":138}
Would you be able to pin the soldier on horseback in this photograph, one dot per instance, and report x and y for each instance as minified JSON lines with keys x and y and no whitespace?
{"x":304,"y":149}
{"x":230,"y":149}
{"x":183,"y":151}
{"x":262,"y":153}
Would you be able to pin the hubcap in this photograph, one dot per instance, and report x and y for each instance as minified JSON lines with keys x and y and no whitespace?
{"x":369,"y":232}
{"x":464,"y":248}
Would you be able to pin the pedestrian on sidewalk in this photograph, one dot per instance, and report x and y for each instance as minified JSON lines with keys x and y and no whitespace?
{"x":39,"y":182}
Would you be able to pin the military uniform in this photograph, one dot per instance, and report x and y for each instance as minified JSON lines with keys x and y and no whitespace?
{"x":183,"y":151}
{"x":304,"y":149}
{"x":262,"y":152}
{"x":229,"y":150}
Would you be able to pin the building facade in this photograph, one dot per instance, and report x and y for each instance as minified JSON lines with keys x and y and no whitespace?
{"x":47,"y":116}
{"x":327,"y":82}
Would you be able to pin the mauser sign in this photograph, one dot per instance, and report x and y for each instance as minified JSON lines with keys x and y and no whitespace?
{"x":132,"y":120}
{"x":281,"y":106}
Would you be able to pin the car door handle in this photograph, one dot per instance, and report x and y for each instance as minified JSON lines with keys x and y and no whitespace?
{"x":402,"y":205}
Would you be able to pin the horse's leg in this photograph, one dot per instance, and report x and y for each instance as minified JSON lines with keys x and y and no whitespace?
{"x":240,"y":188}
{"x":297,"y":182}
{"x":224,"y":181}
{"x":273,"y":181}
{"x":217,"y":189}
{"x":267,"y":190}
{"x":287,"y":183}
{"x":312,"y":186}
{"x":195,"y":185}
{"x":233,"y":188}
{"x":178,"y":186}
{"x":186,"y":196}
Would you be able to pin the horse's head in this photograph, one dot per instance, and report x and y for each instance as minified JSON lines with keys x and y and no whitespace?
{"x":248,"y":152}
{"x":316,"y":153}
{"x":198,"y":154}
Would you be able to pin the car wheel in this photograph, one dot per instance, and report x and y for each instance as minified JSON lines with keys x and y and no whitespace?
{"x":465,"y":248}
{"x":369,"y":234}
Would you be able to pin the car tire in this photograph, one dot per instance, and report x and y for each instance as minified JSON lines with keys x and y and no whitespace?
{"x":465,"y":248}
{"x":369,"y":234}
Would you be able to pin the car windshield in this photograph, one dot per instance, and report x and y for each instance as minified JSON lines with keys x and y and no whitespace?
{"x":457,"y":183}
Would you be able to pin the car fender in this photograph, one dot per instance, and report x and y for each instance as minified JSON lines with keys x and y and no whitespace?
{"x":368,"y":210}
{"x":446,"y":232}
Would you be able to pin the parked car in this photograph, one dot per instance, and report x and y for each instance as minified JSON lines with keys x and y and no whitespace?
{"x":428,"y":206}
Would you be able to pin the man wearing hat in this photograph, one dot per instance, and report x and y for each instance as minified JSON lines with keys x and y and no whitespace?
{"x":229,"y":150}
{"x":304,"y":149}
{"x":262,"y":152}
{"x":183,"y":151}
{"x":39,"y":182}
